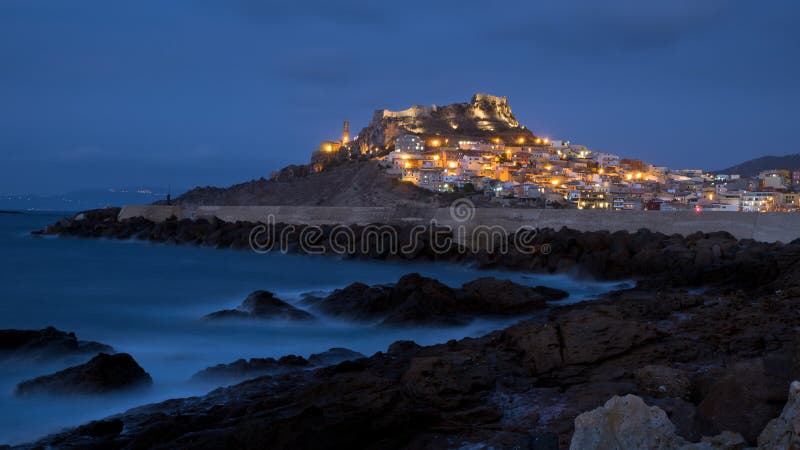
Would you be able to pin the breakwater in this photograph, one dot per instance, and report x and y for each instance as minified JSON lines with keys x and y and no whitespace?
{"x":766,"y":227}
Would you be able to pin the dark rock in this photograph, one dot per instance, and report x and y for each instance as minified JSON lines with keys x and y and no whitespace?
{"x":102,"y":374}
{"x":243,"y":369}
{"x":101,"y":428}
{"x":48,"y":343}
{"x":333,"y":356}
{"x":499,"y":297}
{"x":263,"y":305}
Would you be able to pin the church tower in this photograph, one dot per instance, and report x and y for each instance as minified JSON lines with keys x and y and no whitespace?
{"x":346,"y":132}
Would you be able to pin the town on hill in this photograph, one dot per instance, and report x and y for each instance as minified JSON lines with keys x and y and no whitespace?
{"x":480,"y":147}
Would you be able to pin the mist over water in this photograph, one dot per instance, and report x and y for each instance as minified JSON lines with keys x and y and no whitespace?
{"x":147,"y":300}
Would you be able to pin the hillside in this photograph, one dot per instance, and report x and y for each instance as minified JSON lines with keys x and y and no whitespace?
{"x":483,"y":117}
{"x":754,"y":166}
{"x":356,"y":183}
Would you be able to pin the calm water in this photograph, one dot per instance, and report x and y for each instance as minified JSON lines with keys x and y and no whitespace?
{"x":146,"y":299}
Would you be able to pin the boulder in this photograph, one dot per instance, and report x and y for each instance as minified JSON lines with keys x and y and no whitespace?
{"x":48,"y":343}
{"x":783,"y":432}
{"x":102,"y":374}
{"x":263,"y":305}
{"x":743,"y":399}
{"x":624,"y":423}
{"x":492,"y":296}
{"x":627,"y":423}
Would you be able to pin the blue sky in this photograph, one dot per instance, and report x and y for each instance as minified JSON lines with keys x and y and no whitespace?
{"x":103,"y":93}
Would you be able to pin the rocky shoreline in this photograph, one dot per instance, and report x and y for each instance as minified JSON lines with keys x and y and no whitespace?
{"x":700,"y":259}
{"x":711,"y":367}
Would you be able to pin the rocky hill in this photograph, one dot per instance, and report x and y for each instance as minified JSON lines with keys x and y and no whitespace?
{"x":484,"y":117}
{"x":354,"y":183}
{"x":754,"y":166}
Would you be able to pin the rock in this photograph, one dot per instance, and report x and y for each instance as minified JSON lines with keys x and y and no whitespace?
{"x":783,"y":432}
{"x":263,"y":305}
{"x":624,"y":423}
{"x":102,"y":374}
{"x":357,"y":301}
{"x":492,"y":296}
{"x":48,"y":343}
{"x":100,"y":428}
{"x":744,"y":400}
{"x":662,"y":381}
{"x":418,"y":300}
{"x":627,"y":423}
{"x":250,"y":368}
{"x":243,"y":369}
{"x":333,"y":356}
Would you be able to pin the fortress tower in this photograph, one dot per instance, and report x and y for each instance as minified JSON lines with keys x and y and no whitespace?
{"x":346,"y":132}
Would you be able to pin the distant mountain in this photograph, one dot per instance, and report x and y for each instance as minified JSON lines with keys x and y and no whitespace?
{"x":754,"y":166}
{"x":85,"y":199}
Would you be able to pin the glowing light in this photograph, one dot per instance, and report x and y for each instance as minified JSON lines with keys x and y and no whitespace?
{"x":452,"y":164}
{"x":329,"y":148}
{"x":629,"y":176}
{"x":435,"y":157}
{"x":600,"y":171}
{"x":638,"y":175}
{"x":408,"y":165}
{"x":496,"y":140}
{"x":404,"y":156}
{"x":546,"y":141}
{"x":436,"y":143}
{"x":521,"y":140}
{"x":555,"y":182}
{"x":538,"y":140}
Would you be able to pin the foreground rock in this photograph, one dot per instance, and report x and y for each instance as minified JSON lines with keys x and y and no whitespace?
{"x":687,"y":354}
{"x":250,"y":368}
{"x":102,"y":374}
{"x":783,"y":432}
{"x":46,"y":344}
{"x":417,"y":300}
{"x":627,"y":423}
{"x":263,"y":305}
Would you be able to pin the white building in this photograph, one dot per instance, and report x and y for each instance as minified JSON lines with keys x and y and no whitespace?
{"x":410,"y":144}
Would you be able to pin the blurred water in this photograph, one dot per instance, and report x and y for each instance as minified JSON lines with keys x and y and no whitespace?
{"x":146,"y":299}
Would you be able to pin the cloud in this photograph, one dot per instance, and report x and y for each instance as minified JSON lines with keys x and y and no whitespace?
{"x":623,"y":26}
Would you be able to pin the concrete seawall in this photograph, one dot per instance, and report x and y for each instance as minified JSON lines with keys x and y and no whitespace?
{"x":768,"y":227}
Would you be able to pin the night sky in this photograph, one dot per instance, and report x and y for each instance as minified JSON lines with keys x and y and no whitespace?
{"x":110,"y":93}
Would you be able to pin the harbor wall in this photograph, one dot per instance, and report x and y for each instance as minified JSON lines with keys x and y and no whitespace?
{"x":768,"y":227}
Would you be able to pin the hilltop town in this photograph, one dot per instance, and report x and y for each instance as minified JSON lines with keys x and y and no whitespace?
{"x":480,"y":148}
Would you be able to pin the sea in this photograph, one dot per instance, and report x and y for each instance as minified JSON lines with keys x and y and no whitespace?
{"x":148,"y":300}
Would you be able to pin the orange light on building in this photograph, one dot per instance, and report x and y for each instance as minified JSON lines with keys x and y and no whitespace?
{"x":601,"y":171}
{"x":452,"y":164}
{"x":404,"y":156}
{"x":555,"y":182}
{"x":496,"y":140}
{"x":521,"y":140}
{"x":548,"y":167}
{"x":538,"y":140}
{"x":638,"y":175}
{"x":329,"y":148}
{"x":546,"y":141}
{"x":436,"y":143}
{"x":435,"y":157}
{"x":629,"y":176}
{"x":408,"y":165}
